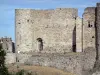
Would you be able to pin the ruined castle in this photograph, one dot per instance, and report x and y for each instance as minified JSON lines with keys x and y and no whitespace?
{"x":58,"y":38}
{"x":55,"y":31}
{"x":7,"y":44}
{"x":9,"y":47}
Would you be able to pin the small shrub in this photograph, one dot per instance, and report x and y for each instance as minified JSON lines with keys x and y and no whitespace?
{"x":20,"y":72}
{"x":23,"y":72}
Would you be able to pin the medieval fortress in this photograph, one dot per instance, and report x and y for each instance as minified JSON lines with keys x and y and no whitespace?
{"x":57,"y":38}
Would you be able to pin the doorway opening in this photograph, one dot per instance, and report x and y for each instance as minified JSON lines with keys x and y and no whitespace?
{"x":40,"y":44}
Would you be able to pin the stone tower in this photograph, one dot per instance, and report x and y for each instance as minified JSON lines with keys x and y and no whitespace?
{"x":47,"y":31}
{"x":50,"y":31}
{"x":89,"y":28}
{"x":7,"y":44}
{"x":9,"y":47}
{"x":24,"y":34}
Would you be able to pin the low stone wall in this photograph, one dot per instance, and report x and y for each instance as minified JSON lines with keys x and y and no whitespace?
{"x":10,"y":58}
{"x":76,"y":63}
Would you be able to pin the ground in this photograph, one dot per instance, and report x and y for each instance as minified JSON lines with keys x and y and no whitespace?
{"x":39,"y":70}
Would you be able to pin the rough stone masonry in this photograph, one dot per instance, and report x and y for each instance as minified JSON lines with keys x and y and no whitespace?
{"x":9,"y":46}
{"x":59,"y":38}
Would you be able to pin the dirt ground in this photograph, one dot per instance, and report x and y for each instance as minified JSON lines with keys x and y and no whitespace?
{"x":39,"y":70}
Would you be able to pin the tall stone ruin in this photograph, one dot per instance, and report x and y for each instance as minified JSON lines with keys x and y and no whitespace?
{"x":9,"y":47}
{"x":58,"y":38}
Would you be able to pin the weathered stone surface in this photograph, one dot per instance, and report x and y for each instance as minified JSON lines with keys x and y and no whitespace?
{"x":96,"y":73}
{"x":50,"y":38}
{"x":54,"y":27}
{"x":9,"y":47}
{"x":10,"y":58}
{"x":7,"y":44}
{"x":89,"y":28}
{"x":78,"y":34}
{"x":71,"y":62}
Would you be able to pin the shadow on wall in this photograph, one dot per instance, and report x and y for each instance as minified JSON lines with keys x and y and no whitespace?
{"x":13,"y":47}
{"x":74,"y":40}
{"x":96,"y":35}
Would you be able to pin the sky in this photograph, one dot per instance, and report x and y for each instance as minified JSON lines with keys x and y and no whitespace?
{"x":7,"y":10}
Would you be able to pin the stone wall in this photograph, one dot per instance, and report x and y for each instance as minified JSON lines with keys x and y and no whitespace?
{"x":54,"y":27}
{"x":7,"y":44}
{"x":78,"y":34}
{"x":24,"y":39}
{"x":76,"y":63}
{"x":10,"y":58}
{"x":89,"y":28}
{"x":9,"y":47}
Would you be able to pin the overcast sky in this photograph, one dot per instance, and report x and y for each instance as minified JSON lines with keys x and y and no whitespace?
{"x":7,"y":10}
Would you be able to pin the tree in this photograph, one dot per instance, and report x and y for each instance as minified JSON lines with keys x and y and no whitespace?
{"x":3,"y":69}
